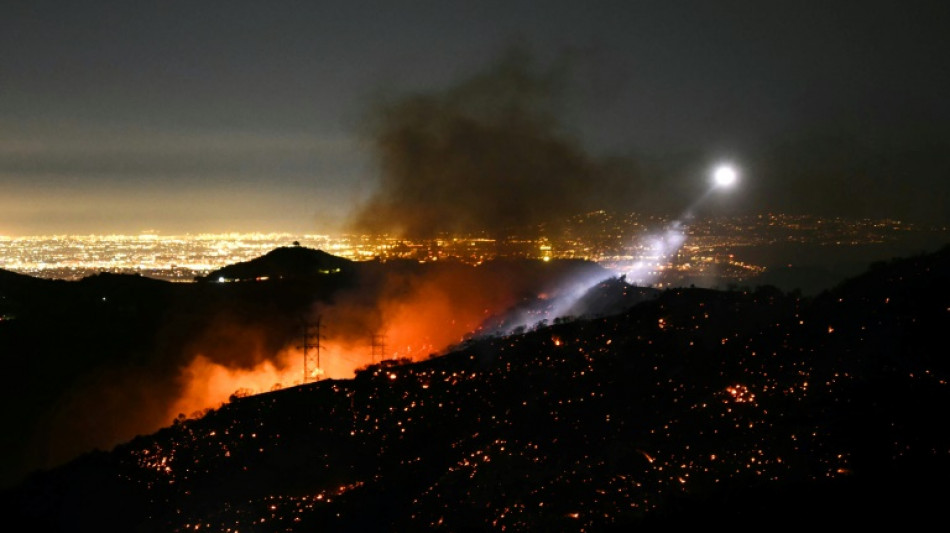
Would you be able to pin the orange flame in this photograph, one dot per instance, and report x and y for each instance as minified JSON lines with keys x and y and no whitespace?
{"x":419,"y":317}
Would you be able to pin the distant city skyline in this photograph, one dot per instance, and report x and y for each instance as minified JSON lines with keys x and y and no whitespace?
{"x":646,"y":250}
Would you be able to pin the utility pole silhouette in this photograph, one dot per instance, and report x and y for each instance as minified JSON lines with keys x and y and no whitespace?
{"x":379,"y":346}
{"x":311,"y":341}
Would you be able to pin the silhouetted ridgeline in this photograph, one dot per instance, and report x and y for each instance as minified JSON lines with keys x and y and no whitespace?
{"x":696,"y":407}
{"x":287,"y":262}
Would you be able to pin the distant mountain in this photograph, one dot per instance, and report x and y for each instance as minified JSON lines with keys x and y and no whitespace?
{"x":694,"y":407}
{"x":288,"y":262}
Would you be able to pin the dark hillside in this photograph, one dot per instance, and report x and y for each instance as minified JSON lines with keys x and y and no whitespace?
{"x":694,"y":408}
{"x":288,"y":262}
{"x":91,"y":351}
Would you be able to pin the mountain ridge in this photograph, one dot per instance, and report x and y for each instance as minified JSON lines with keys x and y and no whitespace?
{"x":284,"y":262}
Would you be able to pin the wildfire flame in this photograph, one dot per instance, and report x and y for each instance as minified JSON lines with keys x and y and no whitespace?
{"x":406,"y":314}
{"x":434,"y":315}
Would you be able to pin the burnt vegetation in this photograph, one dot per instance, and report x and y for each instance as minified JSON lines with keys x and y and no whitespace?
{"x":688,"y":407}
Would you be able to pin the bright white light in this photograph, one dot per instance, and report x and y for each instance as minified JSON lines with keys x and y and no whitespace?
{"x":725,"y":176}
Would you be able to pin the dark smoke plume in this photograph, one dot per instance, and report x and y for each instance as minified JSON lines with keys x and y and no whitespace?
{"x":486,"y":155}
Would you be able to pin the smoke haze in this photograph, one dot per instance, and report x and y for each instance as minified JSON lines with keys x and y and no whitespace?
{"x":487,"y":154}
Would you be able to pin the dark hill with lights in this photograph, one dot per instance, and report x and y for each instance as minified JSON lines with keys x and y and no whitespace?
{"x":286,"y":262}
{"x":694,"y":408}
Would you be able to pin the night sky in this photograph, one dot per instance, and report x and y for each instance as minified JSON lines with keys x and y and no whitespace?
{"x":317,"y":117}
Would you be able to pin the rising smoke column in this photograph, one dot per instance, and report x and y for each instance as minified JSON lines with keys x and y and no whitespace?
{"x":485,"y":155}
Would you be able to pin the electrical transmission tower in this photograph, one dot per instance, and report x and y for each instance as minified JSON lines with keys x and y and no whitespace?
{"x":311,"y":341}
{"x":379,"y":347}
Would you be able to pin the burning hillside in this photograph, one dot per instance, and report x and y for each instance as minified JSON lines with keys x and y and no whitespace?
{"x":697,"y":406}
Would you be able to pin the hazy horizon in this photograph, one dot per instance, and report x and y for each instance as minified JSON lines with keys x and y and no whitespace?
{"x":241,"y":116}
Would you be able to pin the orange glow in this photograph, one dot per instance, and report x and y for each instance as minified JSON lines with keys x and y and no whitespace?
{"x":418,"y":316}
{"x":436,"y":314}
{"x":208,"y":384}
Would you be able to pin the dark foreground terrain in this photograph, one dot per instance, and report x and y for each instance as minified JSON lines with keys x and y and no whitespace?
{"x":721,"y":409}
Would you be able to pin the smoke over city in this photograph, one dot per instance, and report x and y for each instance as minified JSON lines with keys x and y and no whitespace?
{"x":495,"y":153}
{"x":487,"y":154}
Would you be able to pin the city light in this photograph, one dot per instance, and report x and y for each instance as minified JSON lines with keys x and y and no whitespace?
{"x":647,"y":249}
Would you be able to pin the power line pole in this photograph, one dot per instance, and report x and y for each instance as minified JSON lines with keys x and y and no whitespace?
{"x":379,"y":347}
{"x":311,"y":341}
